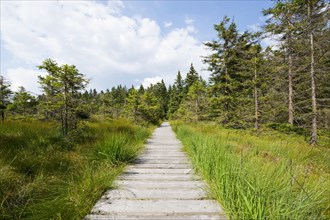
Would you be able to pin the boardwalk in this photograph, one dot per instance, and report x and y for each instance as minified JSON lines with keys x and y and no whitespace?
{"x":160,"y":185}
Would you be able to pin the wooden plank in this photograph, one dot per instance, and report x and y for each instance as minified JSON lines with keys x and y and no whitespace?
{"x":161,"y":184}
{"x":156,"y":193}
{"x":157,"y":206}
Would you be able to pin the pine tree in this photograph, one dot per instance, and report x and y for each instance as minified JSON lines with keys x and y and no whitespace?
{"x":150,"y":108}
{"x":254,"y":65}
{"x":23,"y":102}
{"x":195,"y":105}
{"x":144,"y":108}
{"x":62,"y":86}
{"x":133,"y":103}
{"x":314,"y":16}
{"x":228,"y":74}
{"x":303,"y":27}
{"x":141,"y":90}
{"x":283,"y":22}
{"x":176,"y":95}
{"x":5,"y":94}
{"x":179,"y":83}
{"x":191,"y":78}
{"x":160,"y":92}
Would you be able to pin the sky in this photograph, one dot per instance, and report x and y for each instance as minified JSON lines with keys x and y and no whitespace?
{"x":115,"y":42}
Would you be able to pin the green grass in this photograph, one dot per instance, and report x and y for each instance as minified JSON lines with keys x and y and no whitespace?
{"x":269,"y":176}
{"x":46,"y":176}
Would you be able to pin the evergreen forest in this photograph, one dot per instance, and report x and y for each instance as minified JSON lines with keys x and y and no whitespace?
{"x":258,"y":129}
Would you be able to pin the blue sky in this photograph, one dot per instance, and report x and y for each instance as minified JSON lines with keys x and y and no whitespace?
{"x":204,"y":13}
{"x":114,"y":42}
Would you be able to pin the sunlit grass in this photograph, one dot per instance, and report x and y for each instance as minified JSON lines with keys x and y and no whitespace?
{"x":46,"y":176}
{"x":269,"y":176}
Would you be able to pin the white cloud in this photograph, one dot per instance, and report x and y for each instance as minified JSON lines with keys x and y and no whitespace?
{"x":190,"y":24}
{"x":151,"y":80}
{"x":168,"y":24}
{"x":254,"y":27}
{"x":24,"y":77}
{"x":267,"y":41}
{"x":271,"y":41}
{"x":105,"y":45}
{"x":189,"y":21}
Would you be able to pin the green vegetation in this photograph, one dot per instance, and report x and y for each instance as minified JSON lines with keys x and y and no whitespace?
{"x":267,"y":176}
{"x":45,"y":175}
{"x":56,"y":159}
{"x":252,"y":86}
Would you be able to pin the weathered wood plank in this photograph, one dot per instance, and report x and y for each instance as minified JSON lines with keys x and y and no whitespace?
{"x":161,"y":184}
{"x":157,"y":206}
{"x":156,"y":193}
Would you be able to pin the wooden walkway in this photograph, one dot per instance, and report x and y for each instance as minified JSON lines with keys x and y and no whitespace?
{"x":160,"y":185}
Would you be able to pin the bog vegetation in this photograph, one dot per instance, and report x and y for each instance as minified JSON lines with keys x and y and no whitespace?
{"x":47,"y":176}
{"x":258,"y":129}
{"x":268,"y":176}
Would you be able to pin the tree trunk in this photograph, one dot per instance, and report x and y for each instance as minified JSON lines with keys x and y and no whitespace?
{"x":226,"y":94}
{"x":290,"y":97}
{"x":312,"y":73}
{"x":256,"y":104}
{"x":66,"y":110}
{"x":196,"y":110}
{"x":2,"y":115}
{"x":66,"y":119}
{"x":62,"y":122}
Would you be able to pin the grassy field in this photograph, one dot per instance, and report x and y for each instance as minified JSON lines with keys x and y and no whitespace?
{"x":269,"y":176}
{"x":46,"y":176}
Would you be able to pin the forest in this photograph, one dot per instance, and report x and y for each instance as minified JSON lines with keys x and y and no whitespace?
{"x":258,"y":129}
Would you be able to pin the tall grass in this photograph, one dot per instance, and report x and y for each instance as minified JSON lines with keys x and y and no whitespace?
{"x":270,"y":176}
{"x":46,"y":176}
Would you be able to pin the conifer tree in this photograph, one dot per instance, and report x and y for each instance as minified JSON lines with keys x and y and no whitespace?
{"x":62,"y":86}
{"x":314,"y":15}
{"x":5,"y":94}
{"x":176,"y":95}
{"x":283,"y":22}
{"x":23,"y":102}
{"x":195,"y":105}
{"x":228,"y":74}
{"x":191,"y":78}
{"x":254,"y":65}
{"x":160,"y":92}
{"x":133,"y":103}
{"x":301,"y":23}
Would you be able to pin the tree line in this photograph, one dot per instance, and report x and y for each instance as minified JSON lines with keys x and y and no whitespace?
{"x":249,"y":85}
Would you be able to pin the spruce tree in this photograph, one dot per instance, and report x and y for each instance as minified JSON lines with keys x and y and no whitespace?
{"x":62,"y":86}
{"x":195,"y":105}
{"x":228,"y":75}
{"x":283,"y":22}
{"x":176,"y":95}
{"x":23,"y":102}
{"x":191,"y":78}
{"x":5,"y":94}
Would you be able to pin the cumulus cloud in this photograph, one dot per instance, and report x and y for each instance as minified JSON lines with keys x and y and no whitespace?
{"x":190,"y":25}
{"x":168,"y":24}
{"x":254,"y":27}
{"x":189,"y":21}
{"x":28,"y":78}
{"x":267,"y":41}
{"x":105,"y":44}
{"x":151,"y":80}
